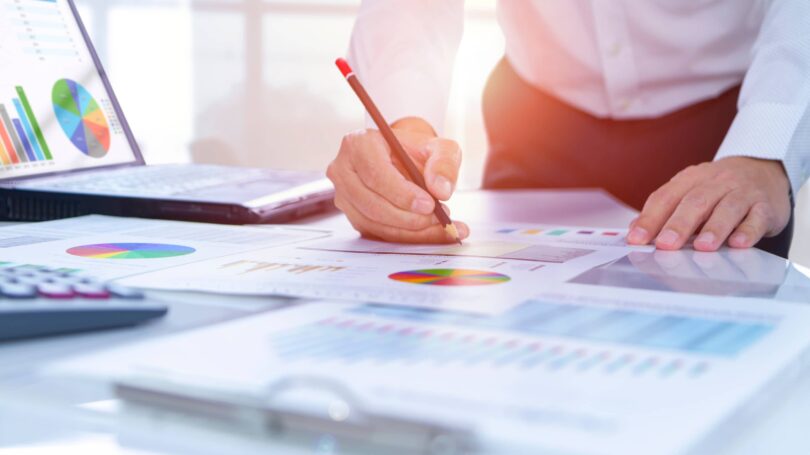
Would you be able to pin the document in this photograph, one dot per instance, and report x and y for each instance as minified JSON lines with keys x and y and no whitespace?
{"x":485,"y":275}
{"x":561,"y":235}
{"x":581,"y":369}
{"x":109,"y":247}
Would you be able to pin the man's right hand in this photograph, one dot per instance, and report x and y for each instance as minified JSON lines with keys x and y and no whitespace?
{"x":372,"y":189}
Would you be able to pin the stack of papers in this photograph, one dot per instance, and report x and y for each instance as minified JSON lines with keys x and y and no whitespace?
{"x":496,"y":269}
{"x":571,"y":371}
{"x":111,"y":247}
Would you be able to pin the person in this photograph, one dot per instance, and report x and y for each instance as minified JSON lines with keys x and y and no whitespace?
{"x":695,"y":112}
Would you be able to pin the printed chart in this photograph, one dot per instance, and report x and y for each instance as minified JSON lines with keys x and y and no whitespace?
{"x":481,"y":249}
{"x":21,"y":138}
{"x":449,"y":277}
{"x":560,"y":235}
{"x":130,"y":251}
{"x":81,"y":118}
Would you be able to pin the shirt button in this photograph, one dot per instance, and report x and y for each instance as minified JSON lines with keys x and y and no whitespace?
{"x":614,"y":49}
{"x":625,"y":104}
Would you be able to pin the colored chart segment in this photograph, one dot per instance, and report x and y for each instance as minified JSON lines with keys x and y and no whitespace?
{"x":130,"y":251}
{"x":81,"y":118}
{"x":449,"y":277}
{"x":21,"y":137}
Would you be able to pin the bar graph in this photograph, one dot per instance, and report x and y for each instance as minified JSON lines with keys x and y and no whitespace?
{"x":552,"y":337}
{"x":21,"y":137}
{"x":686,"y":333}
{"x":573,"y":235}
{"x":351,"y":340}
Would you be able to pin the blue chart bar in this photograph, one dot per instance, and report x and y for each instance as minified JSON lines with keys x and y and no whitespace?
{"x":689,"y":334}
{"x":29,"y":131}
{"x":24,"y":139}
{"x":353,"y":338}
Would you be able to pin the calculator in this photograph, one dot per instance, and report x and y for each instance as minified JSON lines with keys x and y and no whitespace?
{"x":38,"y":301}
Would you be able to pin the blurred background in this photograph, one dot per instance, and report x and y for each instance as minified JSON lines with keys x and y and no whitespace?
{"x":252,"y":82}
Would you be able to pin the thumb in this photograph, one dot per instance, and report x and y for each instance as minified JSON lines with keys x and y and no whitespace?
{"x":441,"y":167}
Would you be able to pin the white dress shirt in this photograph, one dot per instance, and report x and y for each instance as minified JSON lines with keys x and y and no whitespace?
{"x":621,"y":59}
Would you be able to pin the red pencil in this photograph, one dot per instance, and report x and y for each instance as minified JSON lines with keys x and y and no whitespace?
{"x":391,"y":139}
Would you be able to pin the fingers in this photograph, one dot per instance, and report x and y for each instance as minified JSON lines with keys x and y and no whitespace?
{"x":441,"y":168}
{"x":369,"y":158}
{"x":659,"y":207}
{"x":435,"y":233}
{"x":377,"y":197}
{"x":378,"y":209}
{"x":695,"y":207}
{"x":726,"y":216}
{"x":753,"y":227}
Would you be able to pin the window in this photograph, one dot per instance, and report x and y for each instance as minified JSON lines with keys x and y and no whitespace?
{"x":251,"y":82}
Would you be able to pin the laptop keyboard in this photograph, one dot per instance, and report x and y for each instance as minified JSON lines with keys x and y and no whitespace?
{"x":160,"y":180}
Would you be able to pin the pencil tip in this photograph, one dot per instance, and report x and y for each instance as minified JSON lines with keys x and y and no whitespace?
{"x":452,"y":231}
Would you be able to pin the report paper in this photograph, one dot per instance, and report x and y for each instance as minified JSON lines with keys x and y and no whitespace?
{"x":584,"y":369}
{"x":109,"y":247}
{"x":485,"y":275}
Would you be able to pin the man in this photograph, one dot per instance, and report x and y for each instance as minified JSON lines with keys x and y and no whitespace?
{"x":699,"y":107}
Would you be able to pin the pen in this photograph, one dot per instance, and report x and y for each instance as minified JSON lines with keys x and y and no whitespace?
{"x":391,"y":139}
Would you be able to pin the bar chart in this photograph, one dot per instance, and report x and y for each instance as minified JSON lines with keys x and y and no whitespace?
{"x":563,"y":234}
{"x":21,"y":137}
{"x":530,"y":337}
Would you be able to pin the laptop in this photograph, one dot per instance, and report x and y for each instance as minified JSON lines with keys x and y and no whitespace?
{"x":66,"y":148}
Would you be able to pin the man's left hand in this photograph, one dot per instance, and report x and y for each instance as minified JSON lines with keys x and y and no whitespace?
{"x":736,"y":198}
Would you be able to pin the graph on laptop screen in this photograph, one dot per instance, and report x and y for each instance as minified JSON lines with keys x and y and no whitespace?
{"x":55,"y":111}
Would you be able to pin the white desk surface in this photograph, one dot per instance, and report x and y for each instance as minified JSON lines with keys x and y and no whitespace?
{"x":32,"y":425}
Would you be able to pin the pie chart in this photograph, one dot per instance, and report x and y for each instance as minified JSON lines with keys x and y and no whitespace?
{"x":81,"y":118}
{"x":449,"y":277}
{"x":130,"y":250}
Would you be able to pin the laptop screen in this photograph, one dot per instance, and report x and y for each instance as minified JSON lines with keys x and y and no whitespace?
{"x":57,"y":111}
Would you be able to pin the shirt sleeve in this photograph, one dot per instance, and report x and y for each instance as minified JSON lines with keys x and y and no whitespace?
{"x":403,"y":52}
{"x":773,"y":117}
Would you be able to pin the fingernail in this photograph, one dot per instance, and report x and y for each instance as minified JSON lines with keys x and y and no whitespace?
{"x":637,"y":235}
{"x":422,"y":205}
{"x":442,"y":186}
{"x":667,"y":238}
{"x":463,"y":230}
{"x":739,"y":240}
{"x":706,"y":238}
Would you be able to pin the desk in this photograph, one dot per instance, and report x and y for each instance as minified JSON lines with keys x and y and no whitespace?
{"x":38,"y":414}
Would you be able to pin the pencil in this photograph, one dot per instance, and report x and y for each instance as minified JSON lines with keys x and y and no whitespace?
{"x":388,"y":134}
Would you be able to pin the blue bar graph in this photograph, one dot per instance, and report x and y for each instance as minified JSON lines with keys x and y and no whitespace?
{"x":29,"y":152}
{"x":29,"y":131}
{"x":645,"y":329}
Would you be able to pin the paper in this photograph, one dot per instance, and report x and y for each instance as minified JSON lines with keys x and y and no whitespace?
{"x":580,"y":370}
{"x":482,"y":276}
{"x":561,"y":235}
{"x":110,"y":247}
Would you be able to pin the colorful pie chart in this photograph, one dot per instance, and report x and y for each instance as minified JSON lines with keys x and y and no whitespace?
{"x":81,"y":118}
{"x":130,"y":251}
{"x":449,"y":277}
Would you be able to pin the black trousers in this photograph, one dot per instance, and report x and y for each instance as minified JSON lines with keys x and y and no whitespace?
{"x":538,"y":141}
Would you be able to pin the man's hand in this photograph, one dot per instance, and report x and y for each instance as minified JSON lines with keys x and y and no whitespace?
{"x":373,"y":192}
{"x":737,"y":198}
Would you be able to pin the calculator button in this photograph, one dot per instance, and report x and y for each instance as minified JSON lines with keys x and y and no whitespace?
{"x":123,"y":292}
{"x":55,"y":291}
{"x":91,"y":291}
{"x":18,"y":291}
